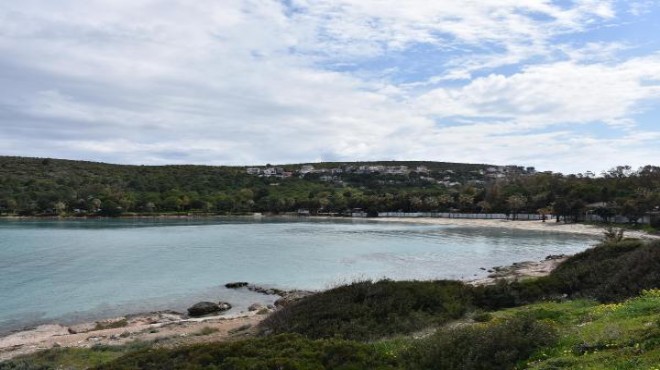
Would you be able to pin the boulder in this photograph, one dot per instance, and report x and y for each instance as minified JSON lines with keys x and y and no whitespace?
{"x":206,"y":308}
{"x":224,"y":306}
{"x":292,"y":296}
{"x":236,"y":285}
{"x":256,"y":307}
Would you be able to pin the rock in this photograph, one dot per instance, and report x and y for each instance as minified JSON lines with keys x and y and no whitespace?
{"x":236,"y":285}
{"x":240,"y":328}
{"x":267,"y":291}
{"x":291,"y":297}
{"x":482,"y":268}
{"x":224,"y":306}
{"x":256,"y":307}
{"x":204,"y":308}
{"x":72,"y":331}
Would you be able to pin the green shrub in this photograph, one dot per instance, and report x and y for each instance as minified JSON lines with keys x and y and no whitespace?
{"x":369,"y":310}
{"x":482,"y":346}
{"x":609,"y":272}
{"x":286,"y":351}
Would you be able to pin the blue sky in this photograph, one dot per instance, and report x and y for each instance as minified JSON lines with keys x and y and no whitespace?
{"x":569,"y":86}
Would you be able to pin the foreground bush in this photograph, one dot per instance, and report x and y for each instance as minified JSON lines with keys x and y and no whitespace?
{"x":609,"y":272}
{"x":287,"y":351}
{"x":369,"y":310}
{"x":482,"y":346}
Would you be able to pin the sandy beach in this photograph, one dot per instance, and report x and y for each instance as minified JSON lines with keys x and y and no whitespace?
{"x":548,"y":226}
{"x":169,"y":328}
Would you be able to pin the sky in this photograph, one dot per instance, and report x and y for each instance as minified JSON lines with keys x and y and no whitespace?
{"x":568,"y":86}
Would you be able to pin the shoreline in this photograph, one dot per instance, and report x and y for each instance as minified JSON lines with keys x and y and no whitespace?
{"x":167,"y":328}
{"x":171,"y":328}
{"x":532,"y":225}
{"x":528,"y":225}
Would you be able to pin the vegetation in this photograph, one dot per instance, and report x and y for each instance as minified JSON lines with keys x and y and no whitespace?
{"x":286,"y":351}
{"x":34,"y":186}
{"x":370,"y":310}
{"x":500,"y":345}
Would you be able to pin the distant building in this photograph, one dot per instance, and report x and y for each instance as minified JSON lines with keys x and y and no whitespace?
{"x":305,"y":169}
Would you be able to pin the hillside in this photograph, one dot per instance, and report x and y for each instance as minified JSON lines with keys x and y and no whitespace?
{"x":36,"y":186}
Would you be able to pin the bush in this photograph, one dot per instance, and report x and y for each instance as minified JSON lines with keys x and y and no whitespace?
{"x":482,"y":346}
{"x":611,"y":271}
{"x":286,"y":351}
{"x":368,"y":310}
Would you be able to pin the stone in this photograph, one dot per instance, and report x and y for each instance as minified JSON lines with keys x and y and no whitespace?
{"x":236,"y":285}
{"x":291,"y":297}
{"x":204,"y":308}
{"x":256,"y":307}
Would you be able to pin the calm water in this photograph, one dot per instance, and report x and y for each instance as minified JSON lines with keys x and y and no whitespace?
{"x":75,"y":270}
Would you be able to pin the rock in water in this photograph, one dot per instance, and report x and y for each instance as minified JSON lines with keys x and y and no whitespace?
{"x":224,"y":306}
{"x":236,"y":285}
{"x":204,"y":308}
{"x":256,"y":307}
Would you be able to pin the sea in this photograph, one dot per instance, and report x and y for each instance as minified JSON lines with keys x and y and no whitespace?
{"x":66,"y":271}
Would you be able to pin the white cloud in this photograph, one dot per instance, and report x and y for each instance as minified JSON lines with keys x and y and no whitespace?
{"x":556,"y":93}
{"x":239,"y":82}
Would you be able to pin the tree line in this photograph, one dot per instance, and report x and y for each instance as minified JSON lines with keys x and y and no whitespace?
{"x":35,"y":186}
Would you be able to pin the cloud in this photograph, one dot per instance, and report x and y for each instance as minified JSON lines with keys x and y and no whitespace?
{"x":242,"y":82}
{"x":556,"y":93}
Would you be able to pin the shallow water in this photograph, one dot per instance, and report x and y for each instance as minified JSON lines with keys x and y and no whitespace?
{"x":74,"y":270}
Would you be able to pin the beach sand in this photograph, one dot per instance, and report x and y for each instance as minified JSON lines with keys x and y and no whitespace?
{"x":548,"y":226}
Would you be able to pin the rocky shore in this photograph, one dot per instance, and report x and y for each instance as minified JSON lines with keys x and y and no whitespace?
{"x":207,"y":323}
{"x":521,"y":270}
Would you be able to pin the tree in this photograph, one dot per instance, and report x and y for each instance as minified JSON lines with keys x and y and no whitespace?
{"x":59,"y":207}
{"x":515,"y":203}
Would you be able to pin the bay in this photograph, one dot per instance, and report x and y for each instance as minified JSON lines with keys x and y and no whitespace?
{"x":73,"y":270}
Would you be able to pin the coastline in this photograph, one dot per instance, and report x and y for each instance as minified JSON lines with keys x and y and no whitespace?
{"x":170,"y":328}
{"x":548,"y":226}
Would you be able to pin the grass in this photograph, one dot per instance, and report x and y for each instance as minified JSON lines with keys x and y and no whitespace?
{"x":598,"y":336}
{"x":71,"y":358}
{"x":285,"y":351}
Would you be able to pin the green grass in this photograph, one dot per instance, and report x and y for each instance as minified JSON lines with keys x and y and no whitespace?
{"x":598,"y":336}
{"x":285,"y":351}
{"x":71,"y":358}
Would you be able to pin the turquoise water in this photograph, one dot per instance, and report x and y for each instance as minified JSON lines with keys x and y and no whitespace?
{"x":74,"y":270}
